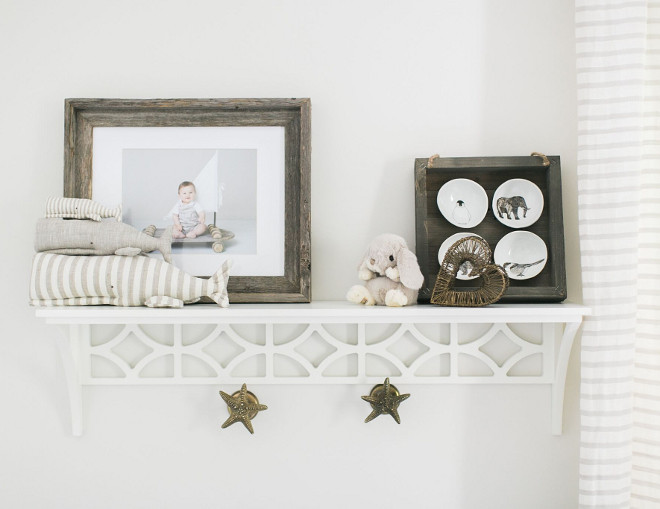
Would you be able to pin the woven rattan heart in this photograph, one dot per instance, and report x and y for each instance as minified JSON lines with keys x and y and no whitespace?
{"x":492,"y":279}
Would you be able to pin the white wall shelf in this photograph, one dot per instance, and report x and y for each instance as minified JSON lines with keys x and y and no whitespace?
{"x":317,"y":343}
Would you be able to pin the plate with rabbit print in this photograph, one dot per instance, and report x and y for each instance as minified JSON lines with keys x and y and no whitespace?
{"x":522,"y":254}
{"x":518,"y":203}
{"x":463,"y":202}
{"x":465,"y":269}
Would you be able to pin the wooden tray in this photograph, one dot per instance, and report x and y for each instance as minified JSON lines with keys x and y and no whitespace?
{"x":490,"y":172}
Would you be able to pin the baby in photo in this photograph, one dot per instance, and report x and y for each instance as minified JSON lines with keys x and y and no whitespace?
{"x":187,"y":214}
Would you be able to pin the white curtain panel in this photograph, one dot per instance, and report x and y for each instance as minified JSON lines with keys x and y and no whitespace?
{"x":618,"y":70}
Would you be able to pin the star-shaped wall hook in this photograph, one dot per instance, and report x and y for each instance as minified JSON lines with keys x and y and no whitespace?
{"x":243,"y":407}
{"x":385,"y":399}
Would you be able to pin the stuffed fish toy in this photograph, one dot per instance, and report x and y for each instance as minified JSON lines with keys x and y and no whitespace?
{"x":60,"y":280}
{"x":74,"y":237}
{"x":80,"y":208}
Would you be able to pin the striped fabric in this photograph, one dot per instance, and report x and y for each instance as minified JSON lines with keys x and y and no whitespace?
{"x":618,"y":65}
{"x":61,"y":280}
{"x":80,"y":208}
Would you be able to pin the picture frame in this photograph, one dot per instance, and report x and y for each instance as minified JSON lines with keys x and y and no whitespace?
{"x":432,"y":228}
{"x":99,"y":133}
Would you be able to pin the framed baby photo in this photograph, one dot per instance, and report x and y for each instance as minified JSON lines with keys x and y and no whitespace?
{"x":229,"y":178}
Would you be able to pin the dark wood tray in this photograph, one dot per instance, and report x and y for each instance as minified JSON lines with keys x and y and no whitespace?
{"x":489,"y":172}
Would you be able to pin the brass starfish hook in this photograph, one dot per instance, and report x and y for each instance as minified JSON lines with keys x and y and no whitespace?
{"x":385,"y":399}
{"x":243,"y":407}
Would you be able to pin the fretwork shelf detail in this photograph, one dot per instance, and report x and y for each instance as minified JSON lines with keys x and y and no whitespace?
{"x":318,"y":343}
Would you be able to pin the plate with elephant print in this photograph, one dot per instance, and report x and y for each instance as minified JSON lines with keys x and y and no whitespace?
{"x":518,"y":203}
{"x":463,"y":202}
{"x":465,"y":269}
{"x":522,"y":254}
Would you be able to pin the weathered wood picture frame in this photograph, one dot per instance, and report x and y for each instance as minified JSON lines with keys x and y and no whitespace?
{"x":82,"y":116}
{"x":432,"y":229}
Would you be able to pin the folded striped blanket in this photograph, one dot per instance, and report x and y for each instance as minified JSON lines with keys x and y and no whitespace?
{"x":61,"y":280}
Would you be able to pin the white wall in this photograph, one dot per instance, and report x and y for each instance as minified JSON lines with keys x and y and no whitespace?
{"x":389,"y":81}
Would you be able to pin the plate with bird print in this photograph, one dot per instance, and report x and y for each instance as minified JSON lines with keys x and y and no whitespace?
{"x":465,"y":269}
{"x":522,"y":254}
{"x":463,"y":202}
{"x":518,"y":203}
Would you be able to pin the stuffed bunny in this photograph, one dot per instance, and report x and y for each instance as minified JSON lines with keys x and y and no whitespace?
{"x":391,"y":273}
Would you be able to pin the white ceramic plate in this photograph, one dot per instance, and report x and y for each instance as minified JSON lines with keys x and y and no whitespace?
{"x":518,"y":203}
{"x":522,"y":254}
{"x":463,"y":202}
{"x":465,"y":268}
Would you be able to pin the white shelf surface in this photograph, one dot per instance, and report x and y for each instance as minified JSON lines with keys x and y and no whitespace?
{"x":318,"y":343}
{"x":335,"y":311}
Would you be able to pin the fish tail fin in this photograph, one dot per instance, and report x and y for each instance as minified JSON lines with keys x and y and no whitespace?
{"x":150,"y":230}
{"x":165,"y":245}
{"x":219,"y":285}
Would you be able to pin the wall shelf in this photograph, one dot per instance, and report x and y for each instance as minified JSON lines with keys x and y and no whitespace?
{"x":318,"y":343}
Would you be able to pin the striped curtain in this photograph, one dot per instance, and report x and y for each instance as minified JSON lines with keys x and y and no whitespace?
{"x":618,"y":70}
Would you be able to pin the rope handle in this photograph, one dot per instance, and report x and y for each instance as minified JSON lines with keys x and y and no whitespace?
{"x":546,"y":161}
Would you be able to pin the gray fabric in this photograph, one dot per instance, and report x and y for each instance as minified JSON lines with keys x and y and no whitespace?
{"x":80,"y":237}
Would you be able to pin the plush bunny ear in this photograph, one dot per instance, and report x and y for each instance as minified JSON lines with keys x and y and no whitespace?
{"x":365,"y":258}
{"x":409,"y":272}
{"x":363,"y":262}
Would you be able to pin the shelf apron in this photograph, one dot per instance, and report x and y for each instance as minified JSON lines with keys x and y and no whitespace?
{"x":305,"y":344}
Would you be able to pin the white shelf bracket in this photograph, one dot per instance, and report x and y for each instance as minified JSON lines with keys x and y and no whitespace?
{"x":69,"y":343}
{"x":559,"y":385}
